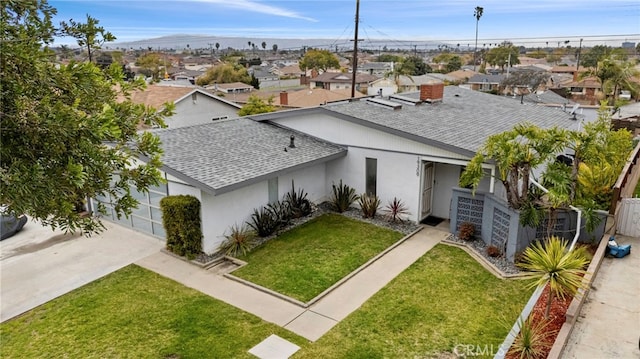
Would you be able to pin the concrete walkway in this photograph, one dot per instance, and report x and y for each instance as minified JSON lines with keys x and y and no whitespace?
{"x":609,"y":323}
{"x":38,"y":264}
{"x":312,"y":322}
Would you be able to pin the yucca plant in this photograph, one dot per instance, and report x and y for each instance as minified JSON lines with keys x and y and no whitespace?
{"x":264,"y":222}
{"x":369,"y":203}
{"x":343,"y":197}
{"x":395,"y":210}
{"x":299,"y":204}
{"x":534,"y":339}
{"x":281,"y":211}
{"x":550,"y":263}
{"x":240,"y":239}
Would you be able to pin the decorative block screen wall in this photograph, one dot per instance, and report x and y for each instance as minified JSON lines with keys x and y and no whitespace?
{"x":559,"y":229}
{"x":469,"y":210}
{"x":500,"y":228}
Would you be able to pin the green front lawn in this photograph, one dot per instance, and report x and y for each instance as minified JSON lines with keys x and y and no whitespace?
{"x":444,"y":299}
{"x":308,"y":259}
{"x":135,"y":313}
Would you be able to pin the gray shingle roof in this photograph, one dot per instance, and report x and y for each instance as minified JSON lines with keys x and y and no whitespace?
{"x":460,"y":123}
{"x":225,"y":155}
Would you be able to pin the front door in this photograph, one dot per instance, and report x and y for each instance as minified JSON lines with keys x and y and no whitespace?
{"x":427,"y":188}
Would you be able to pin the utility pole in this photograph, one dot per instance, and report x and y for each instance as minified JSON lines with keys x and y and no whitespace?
{"x":355,"y":52}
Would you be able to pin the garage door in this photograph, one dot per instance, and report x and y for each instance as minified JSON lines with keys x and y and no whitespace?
{"x":147,"y":217}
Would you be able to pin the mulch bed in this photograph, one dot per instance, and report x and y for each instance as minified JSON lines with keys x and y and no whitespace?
{"x":557,"y":317}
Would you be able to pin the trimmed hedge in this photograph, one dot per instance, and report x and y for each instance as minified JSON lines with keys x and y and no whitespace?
{"x":181,"y":221}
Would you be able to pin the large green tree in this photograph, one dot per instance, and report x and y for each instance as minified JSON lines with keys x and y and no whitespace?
{"x":319,"y":60}
{"x":503,"y":55}
{"x":150,"y":65}
{"x":225,"y":73}
{"x":88,"y":34}
{"x":415,"y":66}
{"x":256,"y":105}
{"x":66,"y":133}
{"x":615,"y":75}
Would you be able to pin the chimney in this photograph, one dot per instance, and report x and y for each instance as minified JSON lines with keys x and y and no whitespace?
{"x":284,"y":98}
{"x":314,"y":74}
{"x":432,"y":92}
{"x":304,"y":80}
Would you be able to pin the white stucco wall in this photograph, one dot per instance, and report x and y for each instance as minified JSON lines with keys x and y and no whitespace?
{"x":188,"y":113}
{"x":396,"y":176}
{"x":312,"y":180}
{"x":446,"y":177}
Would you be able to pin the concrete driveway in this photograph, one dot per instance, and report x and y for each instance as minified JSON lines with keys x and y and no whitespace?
{"x":38,"y":264}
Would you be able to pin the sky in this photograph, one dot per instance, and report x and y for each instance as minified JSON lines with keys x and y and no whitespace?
{"x":453,"y":21}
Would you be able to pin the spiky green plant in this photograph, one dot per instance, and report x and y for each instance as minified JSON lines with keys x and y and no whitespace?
{"x":298,"y":203}
{"x":369,"y":203}
{"x":240,"y":239}
{"x":264,"y":221}
{"x":395,"y":210}
{"x":343,"y":197}
{"x":550,"y":263}
{"x":534,"y":339}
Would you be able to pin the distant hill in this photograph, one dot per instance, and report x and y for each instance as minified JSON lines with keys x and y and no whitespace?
{"x":180,"y":42}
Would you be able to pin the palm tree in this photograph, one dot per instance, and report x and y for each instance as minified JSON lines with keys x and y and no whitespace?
{"x":397,"y":71}
{"x":550,"y":263}
{"x":478,"y":14}
{"x":615,"y":75}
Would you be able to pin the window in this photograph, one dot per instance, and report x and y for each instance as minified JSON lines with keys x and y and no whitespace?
{"x":371,"y":175}
{"x":273,"y":190}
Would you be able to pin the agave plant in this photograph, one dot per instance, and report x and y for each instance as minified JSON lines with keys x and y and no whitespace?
{"x":395,"y":210}
{"x":298,"y":203}
{"x":343,"y":197}
{"x":369,"y":203}
{"x":240,"y":239}
{"x":281,"y":211}
{"x":264,"y":222}
{"x":550,"y":263}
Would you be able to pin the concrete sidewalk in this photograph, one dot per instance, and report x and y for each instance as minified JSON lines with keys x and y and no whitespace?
{"x":38,"y":264}
{"x":609,"y":322}
{"x":312,"y":322}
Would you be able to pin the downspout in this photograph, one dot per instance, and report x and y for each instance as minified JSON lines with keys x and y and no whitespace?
{"x":577,"y":210}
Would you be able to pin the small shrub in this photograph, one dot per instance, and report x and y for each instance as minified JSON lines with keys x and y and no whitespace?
{"x":298,"y":202}
{"x":467,"y":231}
{"x":493,"y":251}
{"x":343,"y":197}
{"x":534,"y":339}
{"x":369,"y":203}
{"x":394,"y":210}
{"x":181,"y":222}
{"x":264,"y":222}
{"x":281,"y":211}
{"x":240,"y":240}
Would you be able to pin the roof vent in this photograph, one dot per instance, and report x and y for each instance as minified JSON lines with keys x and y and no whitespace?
{"x":406,"y":100}
{"x":384,"y":103}
{"x":292,"y":141}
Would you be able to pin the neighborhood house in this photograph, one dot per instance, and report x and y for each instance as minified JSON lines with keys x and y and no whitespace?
{"x":412,"y":146}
